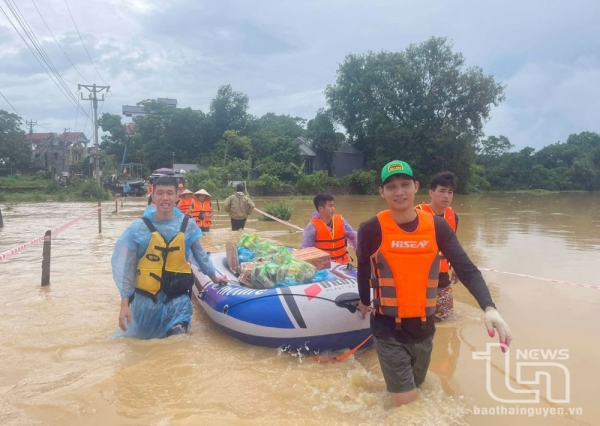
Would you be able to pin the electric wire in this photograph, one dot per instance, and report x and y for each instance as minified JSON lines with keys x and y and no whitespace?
{"x":83,"y":44}
{"x":13,"y":108}
{"x":40,"y":57}
{"x":63,"y":51}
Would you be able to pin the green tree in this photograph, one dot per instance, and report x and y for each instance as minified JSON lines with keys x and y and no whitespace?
{"x":279,"y":125}
{"x":422,"y":102}
{"x":229,"y":111}
{"x":495,"y":146}
{"x":15,"y":151}
{"x":324,"y":139}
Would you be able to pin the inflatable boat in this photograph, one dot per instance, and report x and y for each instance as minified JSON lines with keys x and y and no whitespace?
{"x":313,"y":317}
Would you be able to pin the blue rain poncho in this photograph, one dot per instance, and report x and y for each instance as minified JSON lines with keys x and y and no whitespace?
{"x":148,"y":319}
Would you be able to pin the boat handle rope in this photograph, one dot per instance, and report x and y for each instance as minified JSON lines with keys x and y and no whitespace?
{"x":278,"y":220}
{"x":593,"y":287}
{"x":225,"y":309}
{"x":5,"y":255}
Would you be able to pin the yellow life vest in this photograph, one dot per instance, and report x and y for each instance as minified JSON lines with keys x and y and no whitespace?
{"x":163,"y":266}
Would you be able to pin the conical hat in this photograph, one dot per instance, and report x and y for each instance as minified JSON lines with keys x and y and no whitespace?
{"x":202,"y":192}
{"x":186,"y":191}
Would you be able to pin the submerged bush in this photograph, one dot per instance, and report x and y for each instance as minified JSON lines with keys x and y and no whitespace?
{"x":362,"y":182}
{"x":279,"y":209}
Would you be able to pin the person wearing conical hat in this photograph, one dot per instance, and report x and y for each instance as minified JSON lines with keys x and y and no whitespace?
{"x":185,"y":201}
{"x":202,"y":209}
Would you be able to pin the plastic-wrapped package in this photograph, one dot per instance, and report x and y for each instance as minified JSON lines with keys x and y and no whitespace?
{"x":283,"y":255}
{"x":296,"y":270}
{"x":323,"y":275}
{"x":264,"y":275}
{"x":149,"y":319}
{"x":245,"y":255}
{"x":266,"y":249}
{"x":249,"y":241}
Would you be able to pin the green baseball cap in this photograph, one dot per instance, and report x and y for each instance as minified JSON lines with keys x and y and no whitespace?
{"x":396,"y":167}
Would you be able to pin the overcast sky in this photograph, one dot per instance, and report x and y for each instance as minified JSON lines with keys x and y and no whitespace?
{"x":283,"y":53}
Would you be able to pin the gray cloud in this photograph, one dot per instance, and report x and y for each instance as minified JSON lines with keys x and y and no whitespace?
{"x":283,"y":54}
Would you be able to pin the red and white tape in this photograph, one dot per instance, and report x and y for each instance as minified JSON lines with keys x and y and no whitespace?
{"x":593,"y":287}
{"x":279,"y":220}
{"x":13,"y":251}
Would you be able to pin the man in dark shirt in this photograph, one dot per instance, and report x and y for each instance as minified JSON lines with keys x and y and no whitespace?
{"x":441,"y":191}
{"x":404,"y":345}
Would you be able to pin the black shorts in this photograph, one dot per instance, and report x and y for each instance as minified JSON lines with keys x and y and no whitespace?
{"x":237,"y":224}
{"x":404,"y":365}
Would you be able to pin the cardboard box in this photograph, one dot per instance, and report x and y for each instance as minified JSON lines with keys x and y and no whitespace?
{"x":245,"y":277}
{"x":232,"y":257}
{"x":318,"y":258}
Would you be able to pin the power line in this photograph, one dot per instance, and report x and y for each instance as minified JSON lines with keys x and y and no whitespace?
{"x":41,"y":56}
{"x":13,"y":108}
{"x":83,"y":44}
{"x":31,"y":36}
{"x":50,"y":31}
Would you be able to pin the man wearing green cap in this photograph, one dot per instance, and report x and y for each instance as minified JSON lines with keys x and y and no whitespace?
{"x":398,"y":258}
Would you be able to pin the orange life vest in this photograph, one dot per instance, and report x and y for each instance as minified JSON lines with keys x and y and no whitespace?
{"x":405,"y":269}
{"x":149,"y":189}
{"x":451,"y":219}
{"x":184,"y":204}
{"x":334,"y":242}
{"x":202,"y":206}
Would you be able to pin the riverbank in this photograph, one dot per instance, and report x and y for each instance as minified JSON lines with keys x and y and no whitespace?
{"x":35,"y":189}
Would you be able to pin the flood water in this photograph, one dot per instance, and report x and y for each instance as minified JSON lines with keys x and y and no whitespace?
{"x":60,"y":366}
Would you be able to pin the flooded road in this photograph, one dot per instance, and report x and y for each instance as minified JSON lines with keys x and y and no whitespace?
{"x":60,"y":365}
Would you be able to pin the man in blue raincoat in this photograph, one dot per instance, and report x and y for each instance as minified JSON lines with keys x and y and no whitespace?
{"x":151,"y":271}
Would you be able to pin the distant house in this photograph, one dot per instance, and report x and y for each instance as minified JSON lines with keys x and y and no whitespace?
{"x":57,"y":153}
{"x":138,"y":111}
{"x":345,"y":160}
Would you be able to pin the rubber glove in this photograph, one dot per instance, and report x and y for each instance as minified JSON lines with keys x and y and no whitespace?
{"x":493,"y":322}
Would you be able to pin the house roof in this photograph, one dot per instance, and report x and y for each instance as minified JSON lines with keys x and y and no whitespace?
{"x":167,"y":101}
{"x":346,"y":148}
{"x":305,"y":149}
{"x":128,"y":110}
{"x":305,"y":146}
{"x":38,"y":136}
{"x":73,"y":136}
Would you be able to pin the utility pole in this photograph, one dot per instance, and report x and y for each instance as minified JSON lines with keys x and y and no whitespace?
{"x":94,"y":91}
{"x":93,"y":96}
{"x":31,"y":124}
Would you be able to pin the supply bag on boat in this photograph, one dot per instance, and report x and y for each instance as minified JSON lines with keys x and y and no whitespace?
{"x":324,"y":275}
{"x":282,"y":256}
{"x":266,"y":249}
{"x":249,"y":241}
{"x":264,"y":275}
{"x":296,"y":270}
{"x":245,"y":255}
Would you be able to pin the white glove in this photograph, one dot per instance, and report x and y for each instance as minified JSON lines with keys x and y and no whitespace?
{"x":493,"y":320}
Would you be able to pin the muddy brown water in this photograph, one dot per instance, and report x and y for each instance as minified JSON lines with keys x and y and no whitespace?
{"x":60,"y":366}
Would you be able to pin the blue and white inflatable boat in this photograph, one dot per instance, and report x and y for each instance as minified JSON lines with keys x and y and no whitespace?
{"x":312,"y":317}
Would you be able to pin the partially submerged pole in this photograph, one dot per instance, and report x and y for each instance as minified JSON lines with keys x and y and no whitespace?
{"x":99,"y":218}
{"x":1,"y":220}
{"x":46,"y":259}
